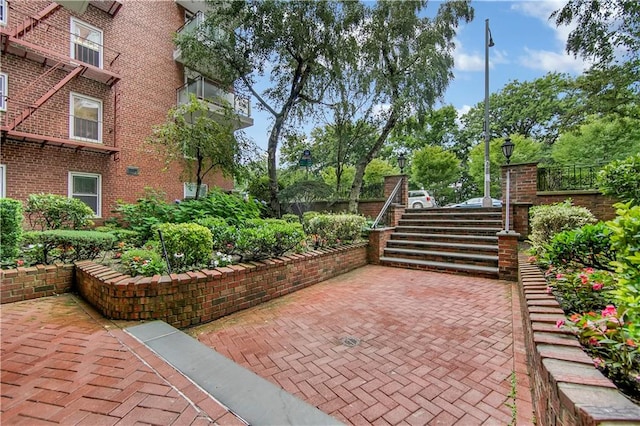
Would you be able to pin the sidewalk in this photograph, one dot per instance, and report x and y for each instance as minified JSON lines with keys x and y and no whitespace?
{"x":374,"y":346}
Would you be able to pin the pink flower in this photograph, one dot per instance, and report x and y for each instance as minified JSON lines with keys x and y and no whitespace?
{"x":20,"y":262}
{"x":589,"y":270}
{"x":559,"y":323}
{"x":558,"y":276}
{"x":609,"y":311}
{"x":532,"y":259}
{"x":584,"y":278}
{"x":549,"y":289}
{"x":598,"y":362}
{"x":597,"y":286}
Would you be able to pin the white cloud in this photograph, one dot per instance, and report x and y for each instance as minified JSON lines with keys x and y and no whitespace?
{"x":462,"y":111}
{"x":549,"y":61}
{"x":474,"y":61}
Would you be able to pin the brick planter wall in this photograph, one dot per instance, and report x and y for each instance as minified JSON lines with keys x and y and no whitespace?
{"x":198,"y":297}
{"x":33,"y":282}
{"x":567,"y":388}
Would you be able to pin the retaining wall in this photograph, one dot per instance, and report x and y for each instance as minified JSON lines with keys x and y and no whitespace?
{"x":567,"y":388}
{"x":198,"y":297}
{"x":33,"y":282}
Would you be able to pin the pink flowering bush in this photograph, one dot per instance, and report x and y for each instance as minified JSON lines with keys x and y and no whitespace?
{"x":605,"y":336}
{"x":582,"y":290}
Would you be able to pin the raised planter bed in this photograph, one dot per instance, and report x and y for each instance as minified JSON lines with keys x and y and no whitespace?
{"x":567,"y":388}
{"x":198,"y":297}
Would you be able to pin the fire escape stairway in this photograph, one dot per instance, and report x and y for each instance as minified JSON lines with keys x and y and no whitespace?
{"x":454,"y":240}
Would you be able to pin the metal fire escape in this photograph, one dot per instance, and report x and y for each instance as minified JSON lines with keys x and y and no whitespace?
{"x":16,"y":41}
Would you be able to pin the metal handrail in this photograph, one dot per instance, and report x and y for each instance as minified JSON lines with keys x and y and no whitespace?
{"x":387,"y":203}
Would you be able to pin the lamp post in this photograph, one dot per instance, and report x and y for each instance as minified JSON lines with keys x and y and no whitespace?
{"x":488,"y":42}
{"x":507,"y":151}
{"x":402,"y":161}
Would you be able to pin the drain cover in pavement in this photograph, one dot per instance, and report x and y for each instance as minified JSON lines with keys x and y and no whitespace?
{"x":350,"y":341}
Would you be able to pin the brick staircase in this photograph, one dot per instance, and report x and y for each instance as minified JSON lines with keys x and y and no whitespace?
{"x":461,"y":241}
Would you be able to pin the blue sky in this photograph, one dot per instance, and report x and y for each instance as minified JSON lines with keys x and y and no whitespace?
{"x":527,"y":46}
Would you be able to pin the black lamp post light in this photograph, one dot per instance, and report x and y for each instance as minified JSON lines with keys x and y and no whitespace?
{"x":507,"y":151}
{"x":402,"y":161}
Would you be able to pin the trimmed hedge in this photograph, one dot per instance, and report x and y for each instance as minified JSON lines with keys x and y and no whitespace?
{"x":66,"y":246}
{"x":10,"y":229}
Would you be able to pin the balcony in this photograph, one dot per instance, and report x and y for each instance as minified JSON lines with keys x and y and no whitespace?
{"x":193,"y":6}
{"x":216,"y":97}
{"x":191,"y":27}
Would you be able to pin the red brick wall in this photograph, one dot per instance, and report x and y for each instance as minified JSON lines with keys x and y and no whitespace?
{"x":142,"y":33}
{"x":198,"y":297}
{"x":33,"y":282}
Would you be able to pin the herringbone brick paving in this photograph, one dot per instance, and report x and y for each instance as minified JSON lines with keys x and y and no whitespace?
{"x":389,"y":346}
{"x":64,"y":364}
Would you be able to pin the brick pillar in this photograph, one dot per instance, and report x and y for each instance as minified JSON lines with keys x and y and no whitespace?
{"x":390,"y":183}
{"x":524,"y":187}
{"x":508,"y":255}
{"x":395,"y":214}
{"x":377,"y":242}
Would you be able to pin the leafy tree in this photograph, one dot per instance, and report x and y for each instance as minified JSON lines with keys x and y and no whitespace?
{"x":526,"y":150}
{"x":376,"y":170}
{"x":406,"y":64}
{"x":437,"y":127}
{"x":290,"y":40}
{"x":603,"y":29}
{"x":600,"y":140}
{"x":534,"y":109}
{"x":437,"y":170}
{"x":607,"y":33}
{"x":202,"y":143}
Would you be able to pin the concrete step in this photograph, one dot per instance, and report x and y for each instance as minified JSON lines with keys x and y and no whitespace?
{"x":464,"y":223}
{"x":470,"y":230}
{"x":443,"y":256}
{"x":456,"y":268}
{"x":450,"y":246}
{"x":453,"y":238}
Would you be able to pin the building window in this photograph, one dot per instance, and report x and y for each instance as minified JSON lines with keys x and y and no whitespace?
{"x":86,"y":118}
{"x":3,"y":91}
{"x":3,"y":181}
{"x":3,"y":12}
{"x":86,"y":187}
{"x":190,"y":190}
{"x":86,"y":43}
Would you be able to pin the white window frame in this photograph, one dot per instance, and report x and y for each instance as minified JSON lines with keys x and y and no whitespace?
{"x":3,"y":181}
{"x":72,"y":135}
{"x":73,"y":40}
{"x":191,"y":192}
{"x":98,"y":176}
{"x":4,"y":9}
{"x":4,"y":90}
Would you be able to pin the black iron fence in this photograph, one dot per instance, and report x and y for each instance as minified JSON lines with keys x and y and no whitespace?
{"x":567,"y":178}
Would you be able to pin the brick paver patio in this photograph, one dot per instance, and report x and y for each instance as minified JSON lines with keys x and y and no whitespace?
{"x":374,"y":346}
{"x":388,"y":346}
{"x":64,"y":364}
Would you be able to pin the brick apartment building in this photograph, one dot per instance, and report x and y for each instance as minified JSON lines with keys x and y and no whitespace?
{"x":82,"y":83}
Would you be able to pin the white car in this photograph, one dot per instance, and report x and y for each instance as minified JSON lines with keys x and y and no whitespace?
{"x":420,"y":199}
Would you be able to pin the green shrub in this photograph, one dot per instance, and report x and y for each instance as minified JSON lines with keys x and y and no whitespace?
{"x":306,"y":221}
{"x":626,"y":242}
{"x":291,"y":218}
{"x":66,"y":246}
{"x":142,"y":262}
{"x":231,"y":207}
{"x":589,"y":246}
{"x":224,"y":236}
{"x":261,"y":239}
{"x":621,"y":179}
{"x":10,"y":229}
{"x":188,"y":245}
{"x":127,"y":236}
{"x":50,"y":211}
{"x":147,"y":212}
{"x":329,"y":230}
{"x":550,"y":219}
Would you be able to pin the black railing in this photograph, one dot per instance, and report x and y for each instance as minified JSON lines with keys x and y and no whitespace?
{"x":567,"y":178}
